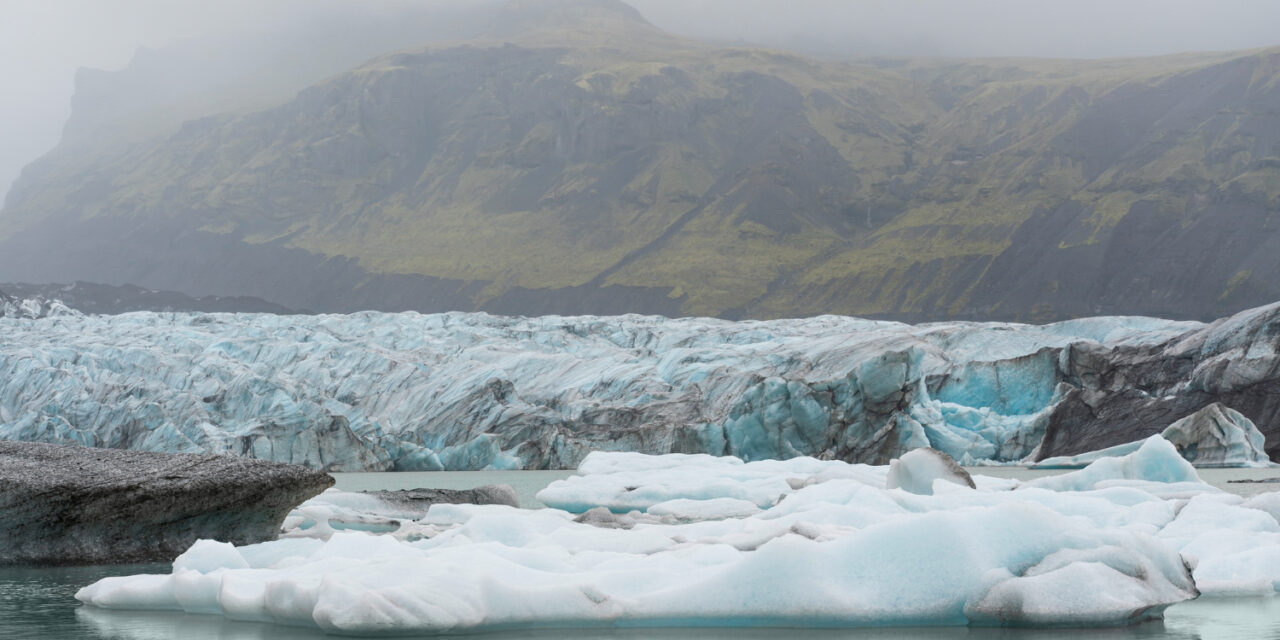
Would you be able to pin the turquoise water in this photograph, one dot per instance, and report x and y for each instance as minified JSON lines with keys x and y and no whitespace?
{"x":39,"y":603}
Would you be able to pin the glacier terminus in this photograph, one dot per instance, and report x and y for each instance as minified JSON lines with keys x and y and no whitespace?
{"x":405,"y":391}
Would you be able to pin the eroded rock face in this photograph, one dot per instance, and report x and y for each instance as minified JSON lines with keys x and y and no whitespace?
{"x":76,"y":505}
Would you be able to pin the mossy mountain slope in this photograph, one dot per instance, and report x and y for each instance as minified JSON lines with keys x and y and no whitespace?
{"x":600,"y":165}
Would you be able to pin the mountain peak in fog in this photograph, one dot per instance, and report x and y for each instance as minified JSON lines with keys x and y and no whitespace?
{"x":523,"y":15}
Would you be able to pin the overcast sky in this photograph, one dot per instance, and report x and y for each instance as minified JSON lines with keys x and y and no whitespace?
{"x":43,"y":42}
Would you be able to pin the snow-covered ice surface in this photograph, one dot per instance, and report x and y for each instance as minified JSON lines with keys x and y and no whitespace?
{"x":374,"y":391}
{"x":33,"y":308}
{"x":801,"y":542}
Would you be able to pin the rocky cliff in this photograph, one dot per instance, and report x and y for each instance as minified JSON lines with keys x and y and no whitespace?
{"x":576,"y":159}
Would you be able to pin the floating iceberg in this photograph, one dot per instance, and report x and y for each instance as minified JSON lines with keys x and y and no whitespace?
{"x":374,"y":391}
{"x":1217,"y":436}
{"x":74,"y":505}
{"x":1155,"y":461}
{"x":801,"y":542}
{"x":918,"y":469}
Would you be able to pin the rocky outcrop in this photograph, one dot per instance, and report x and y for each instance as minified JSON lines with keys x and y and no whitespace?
{"x":76,"y":505}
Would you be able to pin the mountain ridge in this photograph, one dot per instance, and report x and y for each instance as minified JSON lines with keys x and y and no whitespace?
{"x":603,"y":166}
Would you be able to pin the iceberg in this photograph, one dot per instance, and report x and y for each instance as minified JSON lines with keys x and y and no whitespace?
{"x":404,"y":391}
{"x":1217,"y":436}
{"x":73,"y":505}
{"x":795,"y":543}
{"x":1155,"y":460}
{"x":918,"y":469}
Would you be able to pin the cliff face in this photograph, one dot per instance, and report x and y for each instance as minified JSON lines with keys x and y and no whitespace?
{"x":585,"y":162}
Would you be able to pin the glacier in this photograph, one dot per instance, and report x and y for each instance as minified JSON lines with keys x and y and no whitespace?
{"x":795,"y":543}
{"x":405,"y":391}
{"x":33,"y":308}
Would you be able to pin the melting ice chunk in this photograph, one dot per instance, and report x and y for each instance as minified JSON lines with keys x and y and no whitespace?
{"x":917,"y":470}
{"x":1155,"y":460}
{"x":791,"y":543}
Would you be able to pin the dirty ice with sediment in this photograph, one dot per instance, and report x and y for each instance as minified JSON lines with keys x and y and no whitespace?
{"x":404,"y":391}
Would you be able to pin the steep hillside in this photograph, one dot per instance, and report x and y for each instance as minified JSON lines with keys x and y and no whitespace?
{"x":579,"y":160}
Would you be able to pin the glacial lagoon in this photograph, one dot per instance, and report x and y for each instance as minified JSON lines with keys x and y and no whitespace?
{"x":39,"y":602}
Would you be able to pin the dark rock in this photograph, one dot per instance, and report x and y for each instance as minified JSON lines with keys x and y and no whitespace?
{"x":1120,"y":394}
{"x":76,"y":505}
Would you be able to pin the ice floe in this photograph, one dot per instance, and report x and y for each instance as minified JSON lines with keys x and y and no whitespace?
{"x":694,"y":540}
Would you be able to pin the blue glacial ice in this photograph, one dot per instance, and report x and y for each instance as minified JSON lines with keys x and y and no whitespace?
{"x":795,"y":543}
{"x":375,"y":391}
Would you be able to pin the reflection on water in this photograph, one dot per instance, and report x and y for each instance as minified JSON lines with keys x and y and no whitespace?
{"x":1226,"y":618}
{"x":47,"y":613}
{"x":39,"y":603}
{"x":119,"y":625}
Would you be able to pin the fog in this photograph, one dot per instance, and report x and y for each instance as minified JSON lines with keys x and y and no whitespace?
{"x":979,"y":28}
{"x":43,"y":43}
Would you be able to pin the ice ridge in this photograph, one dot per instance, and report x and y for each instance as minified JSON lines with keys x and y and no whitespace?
{"x":377,"y":391}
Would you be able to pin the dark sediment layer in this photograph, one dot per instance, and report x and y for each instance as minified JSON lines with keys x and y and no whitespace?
{"x":75,"y":505}
{"x":423,"y":498}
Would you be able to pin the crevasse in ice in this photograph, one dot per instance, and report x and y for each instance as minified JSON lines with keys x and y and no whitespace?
{"x":801,"y":542}
{"x":374,"y":391}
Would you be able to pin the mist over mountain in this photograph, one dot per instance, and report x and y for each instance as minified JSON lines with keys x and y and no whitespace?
{"x":571,"y":157}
